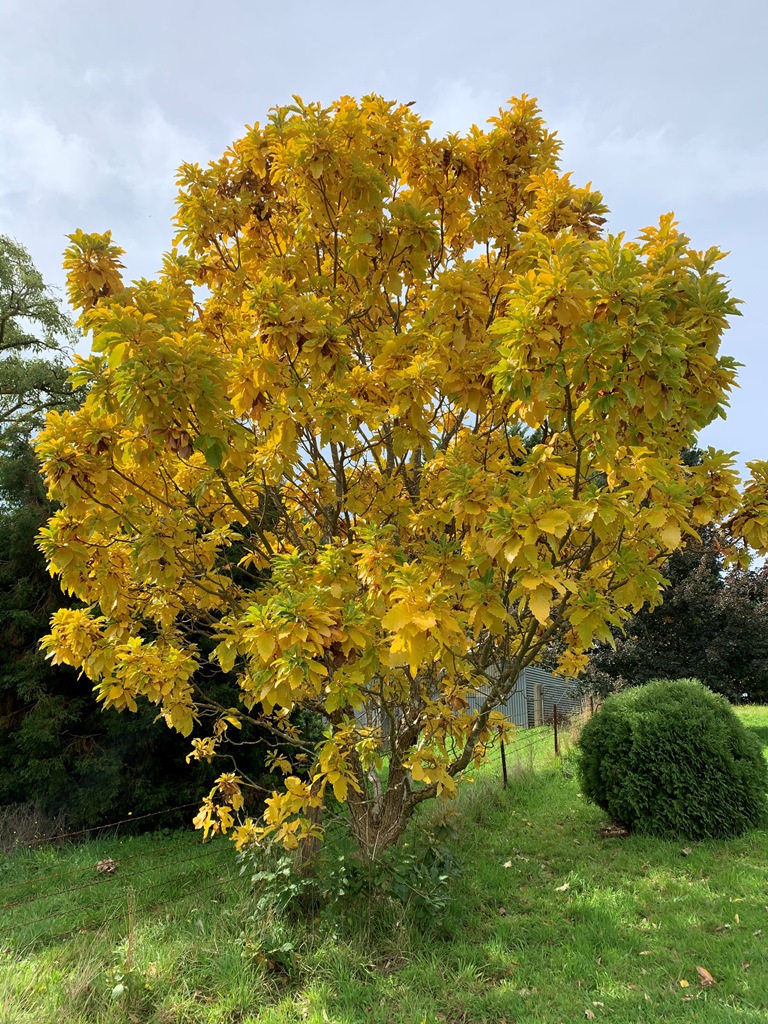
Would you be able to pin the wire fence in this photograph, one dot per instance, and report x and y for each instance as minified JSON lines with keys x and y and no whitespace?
{"x":44,"y":906}
{"x":90,"y":895}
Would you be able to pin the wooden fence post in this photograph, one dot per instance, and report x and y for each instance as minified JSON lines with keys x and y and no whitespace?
{"x":503,"y":761}
{"x":554,"y":724}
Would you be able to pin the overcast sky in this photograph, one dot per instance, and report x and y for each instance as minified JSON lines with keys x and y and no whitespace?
{"x":662,"y":105}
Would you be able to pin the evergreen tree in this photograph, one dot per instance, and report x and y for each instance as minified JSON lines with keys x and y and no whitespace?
{"x":713,"y":626}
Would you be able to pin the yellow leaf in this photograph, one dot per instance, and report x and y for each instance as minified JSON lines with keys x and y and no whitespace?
{"x":539,"y":602}
{"x":340,"y":788}
{"x":265,"y":644}
{"x":396,"y":618}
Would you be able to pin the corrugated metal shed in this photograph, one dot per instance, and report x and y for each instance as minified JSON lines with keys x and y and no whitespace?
{"x":520,"y":706}
{"x":554,"y":690}
{"x":515,"y":707}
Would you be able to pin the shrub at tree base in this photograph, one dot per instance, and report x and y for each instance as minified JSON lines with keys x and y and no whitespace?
{"x":672,"y":759}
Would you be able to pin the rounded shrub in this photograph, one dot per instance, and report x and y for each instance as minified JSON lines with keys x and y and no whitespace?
{"x":672,"y":759}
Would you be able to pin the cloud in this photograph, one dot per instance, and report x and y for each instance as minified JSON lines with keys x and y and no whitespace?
{"x":38,"y":158}
{"x":661,"y":159}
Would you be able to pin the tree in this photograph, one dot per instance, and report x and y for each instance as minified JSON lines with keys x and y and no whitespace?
{"x":316,"y":460}
{"x":713,"y":626}
{"x":31,"y":321}
{"x":58,"y":749}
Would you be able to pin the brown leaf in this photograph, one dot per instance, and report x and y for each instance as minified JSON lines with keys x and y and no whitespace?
{"x":589,"y":1014}
{"x":686,"y":851}
{"x":502,"y":911}
{"x":705,"y":978}
{"x":562,"y":888}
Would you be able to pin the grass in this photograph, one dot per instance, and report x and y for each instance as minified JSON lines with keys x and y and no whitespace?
{"x":550,"y":922}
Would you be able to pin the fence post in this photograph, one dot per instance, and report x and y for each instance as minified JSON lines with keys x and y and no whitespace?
{"x":554,"y":724}
{"x":538,"y":705}
{"x":591,"y":704}
{"x":503,"y":761}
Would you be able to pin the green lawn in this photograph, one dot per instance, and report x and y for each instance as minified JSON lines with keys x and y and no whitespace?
{"x":550,"y":922}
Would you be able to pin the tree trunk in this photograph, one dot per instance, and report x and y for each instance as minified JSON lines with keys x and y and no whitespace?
{"x":379,"y":822}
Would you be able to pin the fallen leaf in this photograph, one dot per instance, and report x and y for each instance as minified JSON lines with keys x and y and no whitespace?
{"x":502,"y":911}
{"x":686,"y":851}
{"x":507,"y":863}
{"x":562,"y":888}
{"x":613,"y":832}
{"x":644,"y":952}
{"x":745,"y":965}
{"x":646,"y":997}
{"x":723,"y":928}
{"x":704,"y":976}
{"x":596,"y":1002}
{"x":683,"y":983}
{"x":589,"y":1014}
{"x":737,"y":919}
{"x":758,"y":932}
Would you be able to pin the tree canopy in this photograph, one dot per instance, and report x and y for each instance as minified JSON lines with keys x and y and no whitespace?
{"x":34,"y":333}
{"x":712,"y":626}
{"x":395,"y":413}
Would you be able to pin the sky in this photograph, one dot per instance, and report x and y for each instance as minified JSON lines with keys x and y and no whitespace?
{"x":661,"y":105}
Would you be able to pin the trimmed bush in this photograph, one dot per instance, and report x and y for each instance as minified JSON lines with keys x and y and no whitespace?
{"x":672,"y":759}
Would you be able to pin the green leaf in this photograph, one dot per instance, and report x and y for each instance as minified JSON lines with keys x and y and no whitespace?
{"x":212,"y":448}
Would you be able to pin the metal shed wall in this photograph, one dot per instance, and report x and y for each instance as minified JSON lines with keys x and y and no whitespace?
{"x":515,"y":707}
{"x":555,"y":690}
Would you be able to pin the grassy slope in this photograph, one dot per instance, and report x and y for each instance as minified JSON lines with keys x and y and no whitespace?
{"x":636,"y":918}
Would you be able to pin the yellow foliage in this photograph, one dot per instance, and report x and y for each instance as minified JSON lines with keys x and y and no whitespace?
{"x":396,"y":413}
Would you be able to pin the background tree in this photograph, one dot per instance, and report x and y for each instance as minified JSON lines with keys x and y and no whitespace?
{"x":34,"y":334}
{"x":58,"y":748}
{"x":318,"y":465}
{"x":712,"y":626}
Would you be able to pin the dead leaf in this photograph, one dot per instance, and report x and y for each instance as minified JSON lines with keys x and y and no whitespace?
{"x":683,"y":983}
{"x":613,"y":832}
{"x":502,"y":911}
{"x":644,"y":952}
{"x":562,"y":888}
{"x":705,"y":977}
{"x":596,"y":1002}
{"x":589,"y":1014}
{"x":737,"y":919}
{"x":758,"y":932}
{"x":723,"y":928}
{"x":745,"y":965}
{"x":507,"y":864}
{"x":686,"y":851}
{"x":646,"y":997}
